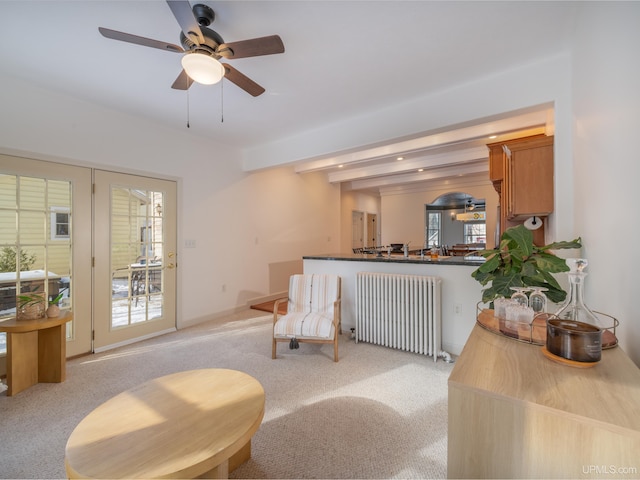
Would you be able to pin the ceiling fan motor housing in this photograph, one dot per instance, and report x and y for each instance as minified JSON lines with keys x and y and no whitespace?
{"x":211,"y":41}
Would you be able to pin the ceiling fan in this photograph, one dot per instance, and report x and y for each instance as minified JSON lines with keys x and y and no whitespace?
{"x":202,"y":48}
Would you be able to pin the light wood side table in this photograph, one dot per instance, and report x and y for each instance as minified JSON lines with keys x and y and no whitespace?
{"x":196,"y":423}
{"x":36,"y":351}
{"x":514,"y":413}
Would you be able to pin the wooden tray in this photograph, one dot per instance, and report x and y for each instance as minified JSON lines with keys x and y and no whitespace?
{"x":536,"y":333}
{"x":566,"y":361}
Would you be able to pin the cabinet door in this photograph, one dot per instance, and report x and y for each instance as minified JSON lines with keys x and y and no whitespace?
{"x":529,"y":174}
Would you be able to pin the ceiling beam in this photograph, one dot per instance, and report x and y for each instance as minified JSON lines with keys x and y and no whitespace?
{"x":428,"y":142}
{"x":428,"y":175}
{"x":411,"y":165}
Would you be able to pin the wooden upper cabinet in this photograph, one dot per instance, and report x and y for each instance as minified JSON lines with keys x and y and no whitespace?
{"x":496,"y":153}
{"x":528,"y":178}
{"x":522,"y":173}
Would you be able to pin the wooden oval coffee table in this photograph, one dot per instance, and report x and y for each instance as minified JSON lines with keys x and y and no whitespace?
{"x":185,"y":425}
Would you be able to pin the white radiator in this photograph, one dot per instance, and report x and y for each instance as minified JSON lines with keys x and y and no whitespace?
{"x":400,"y":311}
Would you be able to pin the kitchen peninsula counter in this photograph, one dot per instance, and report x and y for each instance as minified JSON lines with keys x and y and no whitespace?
{"x":459,"y":291}
{"x":399,"y":258}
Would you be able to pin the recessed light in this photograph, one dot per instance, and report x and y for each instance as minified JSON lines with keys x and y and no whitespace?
{"x":421,"y":169}
{"x":340,"y":166}
{"x":400,"y":158}
{"x":493,"y":136}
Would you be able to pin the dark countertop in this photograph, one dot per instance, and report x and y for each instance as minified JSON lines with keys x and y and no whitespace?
{"x":397,"y":258}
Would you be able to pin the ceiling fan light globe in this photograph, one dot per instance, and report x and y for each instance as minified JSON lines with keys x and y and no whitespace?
{"x":202,"y":68}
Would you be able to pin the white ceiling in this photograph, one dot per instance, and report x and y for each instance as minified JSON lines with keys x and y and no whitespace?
{"x":342,"y":59}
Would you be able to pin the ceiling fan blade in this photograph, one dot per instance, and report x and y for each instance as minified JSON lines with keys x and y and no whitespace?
{"x":181,"y":9}
{"x":242,"y":81}
{"x":252,"y":48}
{"x":183,"y":82}
{"x":145,"y":42}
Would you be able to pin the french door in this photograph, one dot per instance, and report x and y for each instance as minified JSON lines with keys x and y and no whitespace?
{"x":135,"y":258}
{"x":114,"y":265}
{"x":44,"y":242}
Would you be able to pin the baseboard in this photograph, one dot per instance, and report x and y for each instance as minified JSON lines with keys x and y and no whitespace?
{"x":453,"y":349}
{"x":267,"y":298}
{"x":212,"y":317}
{"x":133,"y":340}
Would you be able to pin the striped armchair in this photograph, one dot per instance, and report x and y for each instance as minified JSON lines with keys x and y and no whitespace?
{"x":313,"y":312}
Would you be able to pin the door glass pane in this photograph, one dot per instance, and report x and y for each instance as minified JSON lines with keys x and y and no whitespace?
{"x":8,"y":191}
{"x":32,"y":193}
{"x":35,"y":242}
{"x":8,"y":230}
{"x":137,"y":246}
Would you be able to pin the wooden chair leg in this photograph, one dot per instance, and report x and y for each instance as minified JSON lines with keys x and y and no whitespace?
{"x":273,"y":349}
{"x":335,"y":348}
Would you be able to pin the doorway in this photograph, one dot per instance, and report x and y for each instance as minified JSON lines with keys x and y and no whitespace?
{"x":135,"y":258}
{"x":111,"y":256}
{"x":357,"y":229}
{"x":455,"y":218}
{"x":45,"y":249}
{"x":372,"y":230}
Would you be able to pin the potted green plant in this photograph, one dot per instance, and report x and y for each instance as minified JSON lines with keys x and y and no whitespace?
{"x":30,"y":306}
{"x":54,"y":310}
{"x":517,"y":262}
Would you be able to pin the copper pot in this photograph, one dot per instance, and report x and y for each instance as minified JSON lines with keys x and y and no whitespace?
{"x":573,"y":340}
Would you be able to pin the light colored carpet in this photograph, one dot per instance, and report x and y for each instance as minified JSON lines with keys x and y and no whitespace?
{"x":378,"y":413}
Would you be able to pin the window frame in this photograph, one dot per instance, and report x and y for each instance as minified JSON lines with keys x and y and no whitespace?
{"x":53,"y":216}
{"x":430,"y":231}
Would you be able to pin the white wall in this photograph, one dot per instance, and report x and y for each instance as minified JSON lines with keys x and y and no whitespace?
{"x":606,"y":165}
{"x":246,"y":226}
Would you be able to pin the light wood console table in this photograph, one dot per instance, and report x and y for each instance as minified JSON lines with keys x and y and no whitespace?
{"x":197,"y":423}
{"x":36,"y":351}
{"x":513,"y":413}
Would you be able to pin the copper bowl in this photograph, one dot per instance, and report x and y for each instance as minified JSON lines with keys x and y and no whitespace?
{"x":573,"y":340}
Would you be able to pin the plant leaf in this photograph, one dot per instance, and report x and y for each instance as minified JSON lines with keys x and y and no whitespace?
{"x":491,"y":264}
{"x":577,"y":243}
{"x":550,"y":263}
{"x":523,"y":238}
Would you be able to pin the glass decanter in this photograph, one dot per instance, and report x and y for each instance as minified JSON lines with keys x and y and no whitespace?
{"x":574,"y":307}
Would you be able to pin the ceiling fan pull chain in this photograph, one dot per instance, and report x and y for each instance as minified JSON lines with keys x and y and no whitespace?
{"x":221,"y":102}
{"x":188,"y":126}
